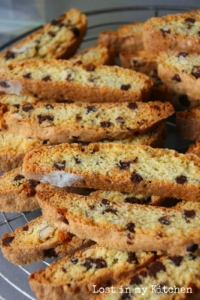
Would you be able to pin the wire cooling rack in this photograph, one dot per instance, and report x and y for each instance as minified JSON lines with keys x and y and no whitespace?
{"x":14,"y":278}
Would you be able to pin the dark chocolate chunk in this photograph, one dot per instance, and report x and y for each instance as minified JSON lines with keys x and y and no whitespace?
{"x":132,"y":258}
{"x":25,"y":228}
{"x":51,"y":33}
{"x":64,"y":101}
{"x":60,"y":165}
{"x":132,"y":105}
{"x":190,"y":214}
{"x":27,"y":107}
{"x":4,"y":84}
{"x":98,"y":262}
{"x":165,"y":31}
{"x":16,"y":106}
{"x":181,"y":179}
{"x":75,"y":31}
{"x":46,"y":78}
{"x":176,"y":77}
{"x":184,"y":54}
{"x":90,"y":67}
{"x":119,"y":120}
{"x":164,"y":220}
{"x":74,"y":260}
{"x":110,"y":210}
{"x":7,"y":240}
{"x":19,"y":177}
{"x":105,"y":202}
{"x":125,"y":294}
{"x":125,"y":87}
{"x":69,"y":77}
{"x":190,"y":20}
{"x":136,"y":178}
{"x":123,"y":164}
{"x":33,"y":183}
{"x":192,"y":247}
{"x":144,"y":273}
{"x":43,"y":118}
{"x":130,"y":227}
{"x":155,"y":267}
{"x":91,"y":108}
{"x":50,"y":253}
{"x":135,"y":280}
{"x":64,"y":270}
{"x":177,"y":259}
{"x":27,"y":75}
{"x":132,"y":200}
{"x":105,"y":124}
{"x":77,"y":160}
{"x":196,"y":72}
{"x":9,"y":55}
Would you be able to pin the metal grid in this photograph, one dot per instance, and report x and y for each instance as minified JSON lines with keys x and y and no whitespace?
{"x":14,"y":278}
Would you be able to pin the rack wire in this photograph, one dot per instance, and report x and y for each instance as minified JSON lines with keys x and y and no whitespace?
{"x":14,"y":278}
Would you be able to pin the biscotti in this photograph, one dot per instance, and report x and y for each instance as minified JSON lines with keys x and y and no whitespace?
{"x":125,"y":168}
{"x":168,"y":278}
{"x":60,"y":79}
{"x":98,"y":55}
{"x":37,"y":240}
{"x":81,"y":122}
{"x":58,"y":39}
{"x":173,"y":32}
{"x":188,"y":124}
{"x":180,"y":71}
{"x":123,"y":226}
{"x":13,"y":147}
{"x":127,"y":38}
{"x":127,"y":197}
{"x":74,"y":277}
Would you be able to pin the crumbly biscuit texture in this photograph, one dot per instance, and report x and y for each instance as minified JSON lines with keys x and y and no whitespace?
{"x":173,"y":32}
{"x":37,"y":240}
{"x":74,"y":277}
{"x":82,"y":122}
{"x":130,"y":227}
{"x":179,"y":71}
{"x":136,"y":169}
{"x":168,"y":278}
{"x":61,"y":79}
{"x":58,"y":39}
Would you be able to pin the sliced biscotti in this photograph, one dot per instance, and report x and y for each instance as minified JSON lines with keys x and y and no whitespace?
{"x":180,"y":72}
{"x":13,"y":147}
{"x":74,"y":277}
{"x":188,"y":124}
{"x":127,"y":38}
{"x":168,"y":278}
{"x":98,"y":55}
{"x":61,"y":79}
{"x":58,"y":39}
{"x":37,"y":240}
{"x":123,"y":226}
{"x":135,"y":169}
{"x":127,"y":197}
{"x":173,"y":32}
{"x":82,"y":122}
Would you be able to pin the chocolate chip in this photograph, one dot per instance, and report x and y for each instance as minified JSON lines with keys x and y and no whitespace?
{"x":132,"y":200}
{"x":77,"y":160}
{"x":130,"y":227}
{"x":4,"y":84}
{"x":16,"y":106}
{"x":90,"y":67}
{"x":27,"y":107}
{"x":196,"y":72}
{"x":91,"y":108}
{"x":25,"y":228}
{"x":183,"y":100}
{"x":49,"y":106}
{"x":27,"y":76}
{"x":10,"y":55}
{"x":165,"y":32}
{"x":125,"y":294}
{"x":110,"y":210}
{"x":43,"y":118}
{"x":92,"y":207}
{"x":7,"y":240}
{"x":177,"y":259}
{"x":64,"y":269}
{"x":135,"y":280}
{"x":105,"y":124}
{"x":33,"y":183}
{"x":181,"y":179}
{"x":136,"y":178}
{"x":192,"y":247}
{"x":119,"y":120}
{"x":50,"y":253}
{"x":176,"y":77}
{"x":46,"y":78}
{"x":125,"y":87}
{"x":144,"y":273}
{"x":75,"y":31}
{"x":64,"y":220}
{"x":132,"y":105}
{"x":132,"y":258}
{"x":123,"y":164}
{"x":74,"y":260}
{"x":105,"y":202}
{"x":64,"y":101}
{"x":69,"y":77}
{"x":184,"y":54}
{"x":164,"y":221}
{"x":98,"y":262}
{"x":190,"y":20}
{"x":51,"y":33}
{"x":55,"y":22}
{"x":60,"y":165}
{"x":190,"y":214}
{"x":155,"y":267}
{"x":19,"y":177}
{"x":30,"y":192}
